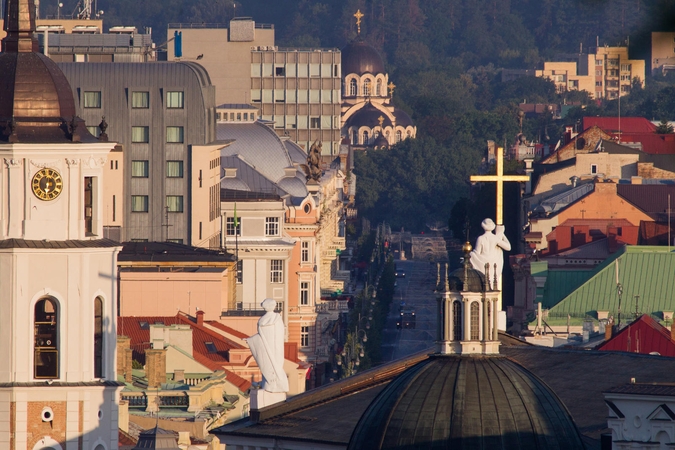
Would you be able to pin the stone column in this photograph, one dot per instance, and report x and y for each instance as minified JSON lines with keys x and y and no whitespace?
{"x":495,"y":319}
{"x":466,"y":312}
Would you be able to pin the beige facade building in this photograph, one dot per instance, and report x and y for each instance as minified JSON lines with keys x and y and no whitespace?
{"x":606,"y":72}
{"x":663,"y":51}
{"x":296,"y":89}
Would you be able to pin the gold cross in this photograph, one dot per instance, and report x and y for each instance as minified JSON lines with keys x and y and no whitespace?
{"x":391,"y":87}
{"x":381,"y":120}
{"x":358,"y":16}
{"x":500,"y":178}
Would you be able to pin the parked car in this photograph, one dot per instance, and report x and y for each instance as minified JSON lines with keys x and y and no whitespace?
{"x":400,"y":274}
{"x":406,"y":318}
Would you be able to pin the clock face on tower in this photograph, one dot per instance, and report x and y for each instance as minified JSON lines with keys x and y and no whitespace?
{"x":47,"y":184}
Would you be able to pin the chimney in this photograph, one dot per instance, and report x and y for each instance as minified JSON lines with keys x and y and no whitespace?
{"x":179,"y":375}
{"x":124,"y":357}
{"x":608,"y":332}
{"x":155,"y":367}
{"x":200,"y":318}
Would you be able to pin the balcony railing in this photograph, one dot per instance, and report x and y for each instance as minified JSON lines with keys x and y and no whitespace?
{"x":249,"y":309}
{"x":325,"y":306}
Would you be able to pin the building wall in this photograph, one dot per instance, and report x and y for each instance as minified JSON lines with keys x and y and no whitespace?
{"x":154,"y":293}
{"x":227,"y":61}
{"x":117,"y":82}
{"x":663,"y":49}
{"x":113,"y":195}
{"x":292,"y":87}
{"x":205,"y":196}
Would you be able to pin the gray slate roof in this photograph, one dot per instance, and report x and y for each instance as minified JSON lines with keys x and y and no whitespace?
{"x":578,"y":378}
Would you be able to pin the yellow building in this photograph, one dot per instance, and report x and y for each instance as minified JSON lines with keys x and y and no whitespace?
{"x":607,"y":72}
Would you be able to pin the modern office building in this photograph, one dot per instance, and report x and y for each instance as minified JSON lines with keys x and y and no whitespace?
{"x":163,"y":114}
{"x":297,"y":89}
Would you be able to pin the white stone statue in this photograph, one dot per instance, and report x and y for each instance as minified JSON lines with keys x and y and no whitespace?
{"x":267,"y":348}
{"x":490,"y":250}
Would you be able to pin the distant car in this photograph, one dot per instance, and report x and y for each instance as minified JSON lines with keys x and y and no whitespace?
{"x":407,"y":318}
{"x":400,"y":274}
{"x":395,"y":283}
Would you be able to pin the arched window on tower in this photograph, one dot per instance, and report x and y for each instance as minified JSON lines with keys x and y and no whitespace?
{"x":355,"y":137}
{"x":352,"y":88}
{"x":457,"y":321}
{"x":366,"y":88}
{"x":378,"y":89}
{"x":98,"y":337}
{"x":475,"y":321}
{"x":398,"y":136}
{"x":46,"y":347}
{"x":365,"y":138}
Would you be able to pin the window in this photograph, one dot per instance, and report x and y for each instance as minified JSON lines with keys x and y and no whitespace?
{"x":92,"y":99}
{"x":594,"y":168}
{"x":598,"y":73}
{"x":304,"y":252}
{"x":398,"y":136}
{"x":304,"y":336}
{"x":355,"y":137}
{"x":378,"y":89}
{"x":94,"y":130}
{"x":174,"y":203}
{"x":598,"y":62}
{"x":625,"y":67}
{"x":279,"y":71}
{"x":174,"y":100}
{"x":366,"y":88}
{"x":139,"y":203}
{"x":210,"y":347}
{"x":456,"y":321}
{"x":240,"y":271}
{"x":140,"y":135}
{"x":140,"y":99}
{"x":46,"y":346}
{"x":475,"y":321}
{"x":89,"y":205}
{"x":365,"y":138}
{"x":271,"y":226}
{"x":598,"y":84}
{"x":276,"y":271}
{"x":98,"y":337}
{"x":304,"y":293}
{"x":352,"y":88}
{"x":174,"y":135}
{"x":174,"y":169}
{"x":230,"y":228}
{"x":140,"y":169}
{"x":315,"y":122}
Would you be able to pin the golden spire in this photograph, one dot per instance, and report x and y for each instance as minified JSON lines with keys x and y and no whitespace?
{"x":391,"y":87}
{"x":358,"y":16}
{"x":381,"y":120}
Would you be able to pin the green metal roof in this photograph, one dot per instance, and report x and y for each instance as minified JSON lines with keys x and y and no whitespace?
{"x":647,"y":271}
{"x":561,"y":283}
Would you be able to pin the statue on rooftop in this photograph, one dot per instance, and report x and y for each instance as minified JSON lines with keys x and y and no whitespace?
{"x":267,"y":347}
{"x":314,"y":162}
{"x":490,"y":249}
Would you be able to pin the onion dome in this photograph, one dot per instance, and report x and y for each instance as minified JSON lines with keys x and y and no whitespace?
{"x":359,"y":58}
{"x":36,"y":100}
{"x":402,"y":118}
{"x":459,"y":402}
{"x":368,"y":116}
{"x":381,"y":142}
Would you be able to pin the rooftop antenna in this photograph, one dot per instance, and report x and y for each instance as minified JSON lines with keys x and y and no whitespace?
{"x":669,"y":222}
{"x":619,"y":99}
{"x":619,"y":292}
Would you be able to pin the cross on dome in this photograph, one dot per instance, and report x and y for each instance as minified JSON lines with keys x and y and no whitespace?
{"x":359,"y":15}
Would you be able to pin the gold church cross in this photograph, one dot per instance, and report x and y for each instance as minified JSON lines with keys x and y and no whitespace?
{"x":391,"y":87}
{"x":381,"y":120}
{"x":358,"y":16}
{"x":500,"y":178}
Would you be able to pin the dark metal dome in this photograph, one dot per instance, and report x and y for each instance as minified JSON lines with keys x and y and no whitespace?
{"x":402,"y":118}
{"x":474,"y":279}
{"x":359,"y":58}
{"x":156,"y":438}
{"x":36,"y":100}
{"x":466,"y":402}
{"x":368,"y":116}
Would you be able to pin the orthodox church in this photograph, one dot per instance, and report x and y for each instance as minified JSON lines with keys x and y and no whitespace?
{"x":57,"y":273}
{"x":368,"y":117}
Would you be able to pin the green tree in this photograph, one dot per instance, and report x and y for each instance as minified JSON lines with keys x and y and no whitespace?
{"x":664,"y":127}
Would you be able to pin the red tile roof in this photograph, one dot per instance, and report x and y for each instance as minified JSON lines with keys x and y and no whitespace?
{"x":652,"y":143}
{"x":228,"y":330}
{"x":126,"y":439}
{"x":645,"y":335}
{"x":140,"y":341}
{"x":628,"y":124}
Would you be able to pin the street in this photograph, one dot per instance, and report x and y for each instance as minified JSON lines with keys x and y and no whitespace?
{"x":416,"y":290}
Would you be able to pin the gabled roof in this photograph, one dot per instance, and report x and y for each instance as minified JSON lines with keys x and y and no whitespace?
{"x":650,"y":198}
{"x":611,"y":124}
{"x":560,"y":283}
{"x":653,"y":143}
{"x":140,"y":341}
{"x":644,"y":335}
{"x":642,"y":272}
